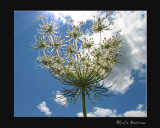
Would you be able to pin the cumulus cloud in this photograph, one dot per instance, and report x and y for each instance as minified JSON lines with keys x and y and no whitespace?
{"x":134,"y":52}
{"x":43,"y":108}
{"x":136,"y":113}
{"x":100,"y":112}
{"x":140,"y":106}
{"x":75,"y":15}
{"x":60,"y":99}
{"x":105,"y":112}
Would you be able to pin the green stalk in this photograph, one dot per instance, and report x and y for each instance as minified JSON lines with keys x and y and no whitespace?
{"x":100,"y":41}
{"x":77,"y":50}
{"x":84,"y":103}
{"x":44,"y":52}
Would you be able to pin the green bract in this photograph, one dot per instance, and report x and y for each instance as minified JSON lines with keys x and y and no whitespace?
{"x":82,"y":69}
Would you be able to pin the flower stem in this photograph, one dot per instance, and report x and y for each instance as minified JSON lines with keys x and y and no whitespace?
{"x":100,"y":41}
{"x":44,"y":52}
{"x":77,"y":50}
{"x":84,"y":103}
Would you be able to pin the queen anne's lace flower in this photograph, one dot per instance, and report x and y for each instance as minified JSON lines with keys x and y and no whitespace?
{"x":70,"y":49}
{"x":98,"y":26}
{"x":75,"y":33}
{"x":82,"y":70}
{"x":87,"y":43}
{"x":47,"y":28}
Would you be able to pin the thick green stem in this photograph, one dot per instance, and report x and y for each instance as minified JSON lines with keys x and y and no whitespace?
{"x":84,"y":103}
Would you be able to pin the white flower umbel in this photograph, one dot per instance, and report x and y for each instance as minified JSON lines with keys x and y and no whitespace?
{"x":79,"y":69}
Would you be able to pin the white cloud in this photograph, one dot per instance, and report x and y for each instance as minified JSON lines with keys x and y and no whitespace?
{"x":60,"y":99}
{"x":90,"y":114}
{"x":135,"y":113}
{"x":134,"y":53}
{"x":140,"y":106}
{"x":102,"y":112}
{"x":43,"y":108}
{"x":75,"y":15}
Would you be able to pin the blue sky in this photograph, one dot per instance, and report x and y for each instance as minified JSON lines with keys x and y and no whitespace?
{"x":34,"y":86}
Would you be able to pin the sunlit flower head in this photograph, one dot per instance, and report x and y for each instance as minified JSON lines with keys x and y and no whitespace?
{"x":47,"y":27}
{"x":73,"y":66}
{"x":98,"y":26}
